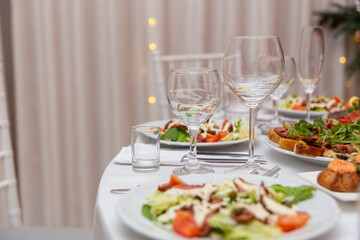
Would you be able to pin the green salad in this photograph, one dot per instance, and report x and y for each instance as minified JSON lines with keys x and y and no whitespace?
{"x":229,"y":209}
{"x":210,"y":131}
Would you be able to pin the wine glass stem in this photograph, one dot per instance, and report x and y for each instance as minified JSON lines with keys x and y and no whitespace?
{"x":275,"y":119}
{"x":308,"y":103}
{"x":251,"y":160}
{"x":193,"y":162}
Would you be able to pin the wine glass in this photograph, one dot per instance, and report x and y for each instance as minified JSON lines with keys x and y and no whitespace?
{"x":193,"y":95}
{"x":288,"y":80}
{"x":310,"y":60}
{"x":253,"y":67}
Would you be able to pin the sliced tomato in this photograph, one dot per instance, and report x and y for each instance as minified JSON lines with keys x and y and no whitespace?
{"x":347,"y":105}
{"x":345,"y":120}
{"x":185,"y":224}
{"x":288,"y":223}
{"x":174,"y":180}
{"x":212,"y":138}
{"x":298,"y":107}
{"x":222,"y":134}
{"x":337,"y":99}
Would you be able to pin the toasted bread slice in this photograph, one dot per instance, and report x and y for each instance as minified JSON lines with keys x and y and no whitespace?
{"x":287,"y":144}
{"x":304,"y":149}
{"x":274,"y":136}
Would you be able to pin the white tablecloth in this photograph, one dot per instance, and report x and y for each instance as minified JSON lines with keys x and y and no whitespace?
{"x":107,"y":224}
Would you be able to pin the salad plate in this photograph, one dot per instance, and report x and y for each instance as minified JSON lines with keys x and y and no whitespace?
{"x":322,"y":161}
{"x":311,"y":177}
{"x":299,"y":114}
{"x":161,"y":124}
{"x":128,"y":209}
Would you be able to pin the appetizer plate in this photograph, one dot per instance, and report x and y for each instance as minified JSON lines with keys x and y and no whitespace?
{"x":161,"y":124}
{"x":129,"y":207}
{"x":295,"y":113}
{"x":322,"y":161}
{"x":300,"y":114}
{"x":311,"y":177}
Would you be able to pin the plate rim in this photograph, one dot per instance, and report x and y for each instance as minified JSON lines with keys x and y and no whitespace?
{"x":331,"y":193}
{"x":317,"y":232}
{"x":297,"y":113}
{"x":319,"y":160}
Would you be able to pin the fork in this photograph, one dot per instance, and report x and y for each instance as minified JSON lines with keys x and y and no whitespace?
{"x":269,"y":173}
{"x":272,"y":171}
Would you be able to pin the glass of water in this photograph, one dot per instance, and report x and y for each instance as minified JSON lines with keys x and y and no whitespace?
{"x":145,"y":148}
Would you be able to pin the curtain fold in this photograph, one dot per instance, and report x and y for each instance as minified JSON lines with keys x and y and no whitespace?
{"x":82,"y":77}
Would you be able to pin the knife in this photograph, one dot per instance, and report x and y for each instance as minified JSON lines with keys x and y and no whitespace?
{"x":225,"y":153}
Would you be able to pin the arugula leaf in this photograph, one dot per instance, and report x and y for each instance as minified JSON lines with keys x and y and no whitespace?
{"x":297,"y":194}
{"x":146,"y":211}
{"x":319,"y":121}
{"x":302,"y":128}
{"x":171,"y":134}
{"x":183,"y":136}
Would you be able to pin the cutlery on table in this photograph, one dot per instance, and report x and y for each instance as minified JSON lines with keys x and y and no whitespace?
{"x":199,"y":152}
{"x":209,"y":162}
{"x":120,"y":190}
{"x":269,"y":173}
{"x":272,"y":171}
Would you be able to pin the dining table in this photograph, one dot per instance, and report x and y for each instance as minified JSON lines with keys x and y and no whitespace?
{"x":107,"y":224}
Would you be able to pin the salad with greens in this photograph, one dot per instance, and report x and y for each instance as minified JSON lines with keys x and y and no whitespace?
{"x":210,"y":131}
{"x":229,"y":209}
{"x":318,"y":103}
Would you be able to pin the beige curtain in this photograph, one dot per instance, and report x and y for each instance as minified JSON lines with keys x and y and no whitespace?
{"x":82,"y":76}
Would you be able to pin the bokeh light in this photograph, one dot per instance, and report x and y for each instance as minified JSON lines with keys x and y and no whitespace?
{"x":152,"y":100}
{"x":152,"y":46}
{"x":152,"y":21}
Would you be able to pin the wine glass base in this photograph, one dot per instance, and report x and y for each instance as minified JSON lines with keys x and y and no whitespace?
{"x":186,"y":171}
{"x":253,"y":170}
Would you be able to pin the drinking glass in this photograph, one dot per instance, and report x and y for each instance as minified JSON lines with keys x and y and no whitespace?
{"x":310,"y":60}
{"x":193,"y":95}
{"x":288,"y":80}
{"x":253,"y":67}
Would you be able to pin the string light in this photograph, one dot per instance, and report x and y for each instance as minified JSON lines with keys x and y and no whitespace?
{"x":347,"y":84}
{"x":342,"y":60}
{"x":152,"y":21}
{"x":152,"y":46}
{"x":152,"y":100}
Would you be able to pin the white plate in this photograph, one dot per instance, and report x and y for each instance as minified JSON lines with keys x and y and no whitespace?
{"x":161,"y":124}
{"x":322,"y":220}
{"x":295,"y":113}
{"x":300,"y":114}
{"x":311,"y":177}
{"x":322,"y":161}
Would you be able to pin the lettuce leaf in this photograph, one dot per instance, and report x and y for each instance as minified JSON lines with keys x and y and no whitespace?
{"x":229,"y":229}
{"x":296,"y":194}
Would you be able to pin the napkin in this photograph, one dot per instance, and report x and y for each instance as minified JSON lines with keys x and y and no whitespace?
{"x":167,"y":156}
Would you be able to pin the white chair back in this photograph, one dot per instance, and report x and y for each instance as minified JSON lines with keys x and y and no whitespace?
{"x":164,"y":63}
{"x":8,"y":184}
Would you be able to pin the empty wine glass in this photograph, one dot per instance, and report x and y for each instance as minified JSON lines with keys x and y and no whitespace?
{"x":310,"y":60}
{"x":253,"y":67}
{"x":289,"y":78}
{"x":193,"y":95}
